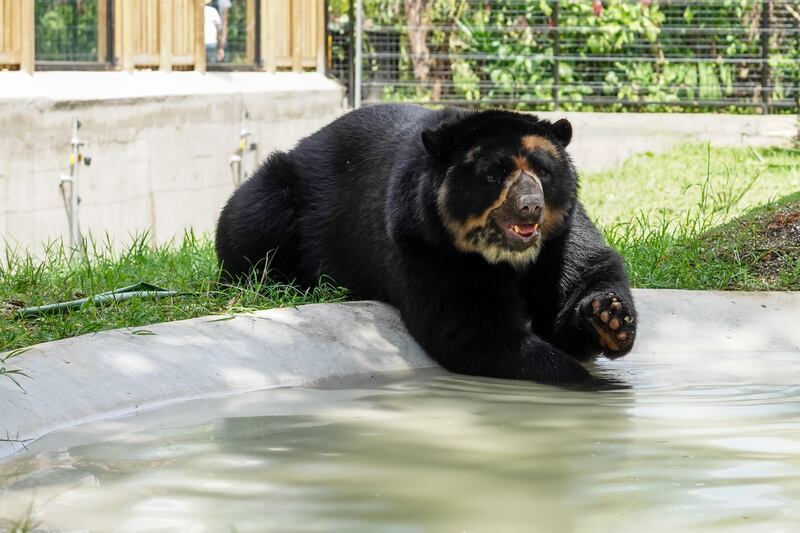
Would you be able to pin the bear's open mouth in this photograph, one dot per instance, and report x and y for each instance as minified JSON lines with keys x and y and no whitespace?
{"x":524,"y":230}
{"x":521,"y":232}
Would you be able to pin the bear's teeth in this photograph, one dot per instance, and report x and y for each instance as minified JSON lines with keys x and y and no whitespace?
{"x":527,"y":231}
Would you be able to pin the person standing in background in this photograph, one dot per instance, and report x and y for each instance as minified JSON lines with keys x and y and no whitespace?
{"x":212,"y":30}
{"x":223,"y":6}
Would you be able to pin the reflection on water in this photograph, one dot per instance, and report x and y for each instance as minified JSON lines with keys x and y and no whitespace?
{"x":434,"y":452}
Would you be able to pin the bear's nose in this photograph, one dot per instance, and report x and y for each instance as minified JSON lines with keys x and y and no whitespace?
{"x":530,"y":204}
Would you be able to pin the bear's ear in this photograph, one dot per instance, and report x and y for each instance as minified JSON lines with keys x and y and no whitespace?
{"x":562,"y":129}
{"x":433,"y":141}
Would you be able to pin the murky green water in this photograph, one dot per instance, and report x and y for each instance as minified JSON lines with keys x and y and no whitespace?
{"x":677,"y":451}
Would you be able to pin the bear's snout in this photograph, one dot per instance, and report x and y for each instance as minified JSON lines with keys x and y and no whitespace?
{"x":528,"y":198}
{"x":531,"y":205}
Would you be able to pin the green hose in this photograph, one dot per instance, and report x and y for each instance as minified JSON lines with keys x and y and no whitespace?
{"x":139,"y":290}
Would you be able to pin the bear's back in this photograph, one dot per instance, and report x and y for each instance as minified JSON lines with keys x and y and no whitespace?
{"x":344,"y":174}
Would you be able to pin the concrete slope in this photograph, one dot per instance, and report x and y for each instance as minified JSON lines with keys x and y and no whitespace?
{"x":114,"y":373}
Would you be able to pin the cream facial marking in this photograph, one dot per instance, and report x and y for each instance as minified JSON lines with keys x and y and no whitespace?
{"x":477,"y":234}
{"x":531,"y":143}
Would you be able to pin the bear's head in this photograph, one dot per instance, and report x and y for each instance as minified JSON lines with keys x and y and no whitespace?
{"x":503,"y":183}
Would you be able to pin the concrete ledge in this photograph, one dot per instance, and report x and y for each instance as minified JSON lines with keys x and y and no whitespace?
{"x":77,"y":87}
{"x":118,"y":372}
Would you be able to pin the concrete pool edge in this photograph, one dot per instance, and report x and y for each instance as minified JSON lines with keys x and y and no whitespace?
{"x":119,"y":372}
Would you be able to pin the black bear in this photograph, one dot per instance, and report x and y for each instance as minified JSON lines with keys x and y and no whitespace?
{"x":467,"y":221}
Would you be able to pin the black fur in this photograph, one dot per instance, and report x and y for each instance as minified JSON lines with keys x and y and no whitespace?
{"x":357,"y":201}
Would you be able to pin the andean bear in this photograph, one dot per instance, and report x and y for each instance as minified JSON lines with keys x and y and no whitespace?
{"x":467,"y":221}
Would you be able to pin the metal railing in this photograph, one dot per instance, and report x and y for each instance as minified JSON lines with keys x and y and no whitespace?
{"x":654,"y":55}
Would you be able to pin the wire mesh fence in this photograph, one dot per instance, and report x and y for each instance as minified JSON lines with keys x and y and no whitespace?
{"x":656,"y":55}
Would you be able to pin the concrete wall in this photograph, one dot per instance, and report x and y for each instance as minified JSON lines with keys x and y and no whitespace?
{"x":160,"y":145}
{"x":604,"y":140}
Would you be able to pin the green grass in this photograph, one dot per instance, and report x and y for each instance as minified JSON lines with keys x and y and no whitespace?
{"x":189,"y":266}
{"x":692,"y":253}
{"x":694,"y":218}
{"x":25,"y":524}
{"x":722,"y":181}
{"x":680,"y":218}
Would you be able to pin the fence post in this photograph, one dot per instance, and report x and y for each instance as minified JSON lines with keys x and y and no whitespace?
{"x":102,"y":30}
{"x":764,"y":27}
{"x":556,"y":53}
{"x":357,"y":56}
{"x":268,"y":37}
{"x":28,"y":45}
{"x":296,"y":17}
{"x":127,"y":29}
{"x":250,"y":36}
{"x":165,"y":24}
{"x":351,"y":48}
{"x":322,"y":36}
{"x":199,"y":36}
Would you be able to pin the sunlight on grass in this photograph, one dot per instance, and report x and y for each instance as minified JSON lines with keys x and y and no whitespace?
{"x":188,"y":266}
{"x":666,"y":186}
{"x":659,"y":212}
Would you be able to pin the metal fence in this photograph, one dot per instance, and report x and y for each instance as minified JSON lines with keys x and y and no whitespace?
{"x":743,"y":55}
{"x":70,"y":31}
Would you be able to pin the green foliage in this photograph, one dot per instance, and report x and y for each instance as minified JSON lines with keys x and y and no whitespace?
{"x":633,"y":51}
{"x":236,"y":47}
{"x":66,"y":30}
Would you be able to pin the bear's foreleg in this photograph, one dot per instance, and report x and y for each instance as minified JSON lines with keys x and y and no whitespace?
{"x":598,"y":314}
{"x":480,"y":329}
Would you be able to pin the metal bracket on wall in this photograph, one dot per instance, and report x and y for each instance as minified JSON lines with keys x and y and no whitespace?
{"x":72,"y":204}
{"x":237,"y":157}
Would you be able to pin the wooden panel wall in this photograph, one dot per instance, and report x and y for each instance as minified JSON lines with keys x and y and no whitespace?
{"x":146,"y":32}
{"x":17,"y":34}
{"x":293,"y":34}
{"x":158,"y":33}
{"x":276,"y":27}
{"x":306,"y":27}
{"x":10,"y":34}
{"x":183,"y":28}
{"x":169,"y":33}
{"x":102,"y":35}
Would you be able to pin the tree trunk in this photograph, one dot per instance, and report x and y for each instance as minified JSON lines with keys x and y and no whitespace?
{"x":417,"y":38}
{"x":440,"y":69}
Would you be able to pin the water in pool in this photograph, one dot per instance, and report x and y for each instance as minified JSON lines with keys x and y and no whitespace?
{"x":681,"y":449}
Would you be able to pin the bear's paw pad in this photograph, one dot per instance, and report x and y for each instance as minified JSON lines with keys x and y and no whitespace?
{"x":613,"y":322}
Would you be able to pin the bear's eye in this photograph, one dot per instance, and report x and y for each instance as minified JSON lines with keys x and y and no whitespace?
{"x":492,"y":178}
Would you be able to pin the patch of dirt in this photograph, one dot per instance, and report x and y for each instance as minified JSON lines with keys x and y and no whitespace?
{"x":8,"y":307}
{"x":781,"y":221}
{"x":769,"y":243}
{"x":780,"y":242}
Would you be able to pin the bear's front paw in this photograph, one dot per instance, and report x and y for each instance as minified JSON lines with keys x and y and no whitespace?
{"x":613,"y":320}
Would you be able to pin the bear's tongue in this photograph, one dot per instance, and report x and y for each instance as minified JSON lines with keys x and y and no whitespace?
{"x":524,"y":230}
